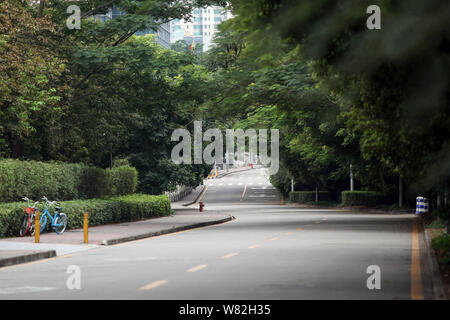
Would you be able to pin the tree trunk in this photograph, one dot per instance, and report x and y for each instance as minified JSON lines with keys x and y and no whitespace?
{"x":41,"y":9}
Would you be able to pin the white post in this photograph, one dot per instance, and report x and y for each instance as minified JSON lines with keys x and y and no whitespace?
{"x":292,"y":185}
{"x":351,"y":178}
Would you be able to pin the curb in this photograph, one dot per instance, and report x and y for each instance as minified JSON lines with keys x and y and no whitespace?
{"x":435,"y":273}
{"x":27,"y":258}
{"x":165,"y":231}
{"x":200,"y":195}
{"x":227,"y":173}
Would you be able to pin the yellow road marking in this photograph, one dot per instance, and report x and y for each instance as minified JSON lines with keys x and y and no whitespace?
{"x":309,"y":225}
{"x":153,"y":285}
{"x":201,"y":196}
{"x":253,"y":246}
{"x":197,"y":268}
{"x":299,"y":229}
{"x":230,"y":255}
{"x":416,"y":276}
{"x":243,"y":193}
{"x":272,"y":239}
{"x":288,"y":233}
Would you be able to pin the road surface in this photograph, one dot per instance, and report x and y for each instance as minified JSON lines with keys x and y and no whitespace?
{"x":271,"y":251}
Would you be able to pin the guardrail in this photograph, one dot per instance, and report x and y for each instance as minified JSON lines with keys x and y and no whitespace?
{"x":179,"y":193}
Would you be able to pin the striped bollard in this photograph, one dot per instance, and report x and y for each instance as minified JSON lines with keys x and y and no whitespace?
{"x":421,"y":205}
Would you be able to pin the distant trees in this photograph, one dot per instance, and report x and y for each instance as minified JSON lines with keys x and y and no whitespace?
{"x":340,"y":93}
{"x":98,"y":92}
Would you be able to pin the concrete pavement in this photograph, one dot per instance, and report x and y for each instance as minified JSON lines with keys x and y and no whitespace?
{"x":24,"y":249}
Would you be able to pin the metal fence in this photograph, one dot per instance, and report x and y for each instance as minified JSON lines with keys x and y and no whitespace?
{"x":179,"y":193}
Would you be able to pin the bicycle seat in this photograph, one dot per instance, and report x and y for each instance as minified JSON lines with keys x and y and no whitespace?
{"x":58,"y":208}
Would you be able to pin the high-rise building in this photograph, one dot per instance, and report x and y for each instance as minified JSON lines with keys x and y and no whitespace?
{"x":202,"y":27}
{"x":162,"y":33}
{"x":200,"y":30}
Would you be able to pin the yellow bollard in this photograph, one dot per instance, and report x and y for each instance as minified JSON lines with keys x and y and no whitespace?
{"x":217,"y":173}
{"x":36,"y":227}
{"x":85,"y":227}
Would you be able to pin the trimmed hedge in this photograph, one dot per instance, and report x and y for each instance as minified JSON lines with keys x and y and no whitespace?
{"x":124,"y":180}
{"x":62,"y":181}
{"x":308,"y":196}
{"x":362,"y":198}
{"x":101,"y":211}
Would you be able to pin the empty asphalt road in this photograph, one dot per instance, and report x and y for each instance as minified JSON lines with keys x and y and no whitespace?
{"x":271,"y":251}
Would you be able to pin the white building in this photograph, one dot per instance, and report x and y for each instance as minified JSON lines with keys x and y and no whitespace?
{"x":202,"y":27}
{"x":200,"y":30}
{"x":162,"y":34}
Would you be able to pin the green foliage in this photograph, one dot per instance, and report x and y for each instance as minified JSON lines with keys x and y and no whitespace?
{"x":308,"y":196}
{"x":362,"y":198}
{"x":124,"y":180}
{"x":437,"y":223}
{"x":95,"y":183}
{"x":101,"y":211}
{"x":62,"y":181}
{"x":442,"y":245}
{"x":89,"y":95}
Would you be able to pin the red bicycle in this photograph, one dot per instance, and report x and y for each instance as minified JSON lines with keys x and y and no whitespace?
{"x":28,"y":220}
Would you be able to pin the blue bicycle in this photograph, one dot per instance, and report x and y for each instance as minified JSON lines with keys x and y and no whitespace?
{"x":58,"y":221}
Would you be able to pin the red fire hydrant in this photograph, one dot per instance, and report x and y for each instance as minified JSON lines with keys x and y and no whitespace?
{"x":201,"y":205}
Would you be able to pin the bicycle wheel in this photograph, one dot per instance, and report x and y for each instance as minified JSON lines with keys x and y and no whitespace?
{"x":25,"y":225}
{"x":60,"y":223}
{"x":42,"y":224}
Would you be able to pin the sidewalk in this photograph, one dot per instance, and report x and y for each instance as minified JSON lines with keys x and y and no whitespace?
{"x":23,"y":249}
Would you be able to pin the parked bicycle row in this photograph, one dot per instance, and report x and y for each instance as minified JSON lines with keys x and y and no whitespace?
{"x":51,"y":216}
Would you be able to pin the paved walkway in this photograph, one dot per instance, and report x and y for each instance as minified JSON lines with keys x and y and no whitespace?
{"x":72,"y":240}
{"x":186,"y":216}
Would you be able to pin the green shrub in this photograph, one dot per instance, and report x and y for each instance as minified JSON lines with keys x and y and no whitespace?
{"x":95,"y":183}
{"x":362,"y":198}
{"x":62,"y":181}
{"x":308,"y":196}
{"x":442,"y":246}
{"x":124,"y":180}
{"x":101,"y":211}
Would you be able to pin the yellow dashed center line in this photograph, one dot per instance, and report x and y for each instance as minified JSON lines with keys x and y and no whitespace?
{"x":197,"y":268}
{"x":416,"y":275}
{"x":153,"y":285}
{"x":299,"y":229}
{"x":288,"y":233}
{"x":243,"y":193}
{"x":230,"y":255}
{"x":273,"y":239}
{"x":253,"y":246}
